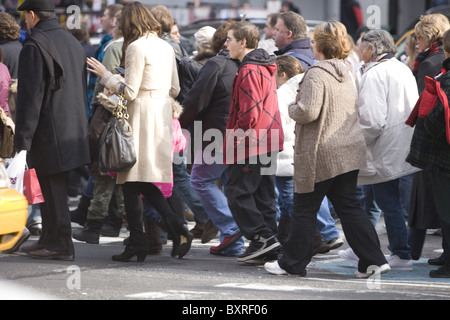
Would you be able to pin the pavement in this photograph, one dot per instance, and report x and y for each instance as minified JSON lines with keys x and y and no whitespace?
{"x":202,"y":276}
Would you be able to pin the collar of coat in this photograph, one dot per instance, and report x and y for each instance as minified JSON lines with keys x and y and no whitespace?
{"x":38,"y":36}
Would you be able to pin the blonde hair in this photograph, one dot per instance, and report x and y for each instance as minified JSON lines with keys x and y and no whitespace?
{"x":331,"y":39}
{"x":432,"y":27}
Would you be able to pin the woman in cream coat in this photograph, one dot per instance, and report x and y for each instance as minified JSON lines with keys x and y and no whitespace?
{"x":150,"y":81}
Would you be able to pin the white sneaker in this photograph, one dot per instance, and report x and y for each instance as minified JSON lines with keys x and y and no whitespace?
{"x":349,"y":255}
{"x":375,"y":272}
{"x":400,"y":264}
{"x":274,"y":268}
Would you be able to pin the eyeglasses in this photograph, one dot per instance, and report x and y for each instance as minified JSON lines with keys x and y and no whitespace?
{"x":229,"y":40}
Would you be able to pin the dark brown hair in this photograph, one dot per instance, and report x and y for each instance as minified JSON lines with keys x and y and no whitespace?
{"x":136,"y":20}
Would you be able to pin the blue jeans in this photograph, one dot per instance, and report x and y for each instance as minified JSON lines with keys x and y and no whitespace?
{"x":285,"y":203}
{"x":181,"y":183}
{"x":389,"y":199}
{"x":367,"y":199}
{"x":203,"y":177}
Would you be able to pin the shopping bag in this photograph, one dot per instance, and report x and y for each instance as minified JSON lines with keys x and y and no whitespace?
{"x":31,"y":187}
{"x":16,"y":170}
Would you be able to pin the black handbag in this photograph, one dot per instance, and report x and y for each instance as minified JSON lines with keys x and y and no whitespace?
{"x":115,"y":147}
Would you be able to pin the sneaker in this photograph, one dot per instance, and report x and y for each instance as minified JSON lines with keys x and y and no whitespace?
{"x":335,"y":243}
{"x":261,"y":260}
{"x":349,"y":255}
{"x":442,"y":272}
{"x":400,"y":264}
{"x":259,"y":247}
{"x":385,"y":268}
{"x":226,"y":243}
{"x":274,"y":268}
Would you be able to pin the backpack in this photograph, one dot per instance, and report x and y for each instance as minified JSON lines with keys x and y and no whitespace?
{"x":188,"y":70}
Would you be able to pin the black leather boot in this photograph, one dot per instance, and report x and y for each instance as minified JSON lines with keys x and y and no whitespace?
{"x":153,"y":233}
{"x":79,"y":215}
{"x":90,"y":233}
{"x":129,"y":253}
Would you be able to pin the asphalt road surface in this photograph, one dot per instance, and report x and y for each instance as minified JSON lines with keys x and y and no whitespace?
{"x":201,"y":279}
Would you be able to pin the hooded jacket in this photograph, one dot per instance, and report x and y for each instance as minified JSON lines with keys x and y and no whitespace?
{"x":328,"y":141}
{"x":254,"y":123}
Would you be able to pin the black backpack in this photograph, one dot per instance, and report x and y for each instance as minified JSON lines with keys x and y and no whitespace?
{"x":188,"y":70}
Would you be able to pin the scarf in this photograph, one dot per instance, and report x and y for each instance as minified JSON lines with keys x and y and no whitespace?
{"x":51,"y":56}
{"x":434,"y":48}
{"x":412,"y":119}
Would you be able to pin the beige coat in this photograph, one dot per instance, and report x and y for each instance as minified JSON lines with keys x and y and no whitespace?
{"x":329,"y":141}
{"x":151,"y":78}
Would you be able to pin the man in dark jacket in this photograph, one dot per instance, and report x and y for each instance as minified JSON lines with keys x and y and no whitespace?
{"x":254,"y":136}
{"x":291,"y":37}
{"x":51,"y":120}
{"x":351,"y":16}
{"x":208,"y":102}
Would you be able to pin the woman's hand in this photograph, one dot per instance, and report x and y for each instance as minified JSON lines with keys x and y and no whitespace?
{"x":96,"y":67}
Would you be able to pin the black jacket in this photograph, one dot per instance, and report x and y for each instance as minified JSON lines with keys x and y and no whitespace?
{"x":52,"y":124}
{"x":210,"y":97}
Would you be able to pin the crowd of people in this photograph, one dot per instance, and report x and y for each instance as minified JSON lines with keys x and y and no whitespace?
{"x":292,"y":129}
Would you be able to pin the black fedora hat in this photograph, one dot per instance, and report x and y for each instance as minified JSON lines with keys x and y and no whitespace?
{"x":37,"y":5}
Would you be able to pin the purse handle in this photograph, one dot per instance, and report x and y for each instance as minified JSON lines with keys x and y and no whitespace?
{"x":121,"y":112}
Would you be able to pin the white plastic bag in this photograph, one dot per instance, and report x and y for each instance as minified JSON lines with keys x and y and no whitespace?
{"x":16,"y":170}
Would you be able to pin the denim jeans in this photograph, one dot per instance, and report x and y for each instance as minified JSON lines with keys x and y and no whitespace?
{"x":388,"y":197}
{"x":203,"y":177}
{"x":285,"y":203}
{"x":367,"y":199}
{"x":182,"y":184}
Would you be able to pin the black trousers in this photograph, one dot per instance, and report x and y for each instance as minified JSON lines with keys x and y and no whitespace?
{"x":56,"y":225}
{"x":170,"y":209}
{"x":251,"y":198}
{"x":359,"y":231}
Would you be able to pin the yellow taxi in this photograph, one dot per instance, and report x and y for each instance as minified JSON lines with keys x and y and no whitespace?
{"x":13,"y":212}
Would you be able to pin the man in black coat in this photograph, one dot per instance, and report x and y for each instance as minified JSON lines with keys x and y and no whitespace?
{"x":51,"y":120}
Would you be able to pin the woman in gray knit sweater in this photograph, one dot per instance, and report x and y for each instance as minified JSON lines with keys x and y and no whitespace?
{"x":329,"y":151}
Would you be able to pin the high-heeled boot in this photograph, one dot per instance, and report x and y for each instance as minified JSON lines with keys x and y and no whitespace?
{"x":181,"y":238}
{"x":153,"y":232}
{"x":129,"y":253}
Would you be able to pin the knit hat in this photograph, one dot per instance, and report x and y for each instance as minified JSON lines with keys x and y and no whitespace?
{"x":37,"y":5}
{"x":203,"y":36}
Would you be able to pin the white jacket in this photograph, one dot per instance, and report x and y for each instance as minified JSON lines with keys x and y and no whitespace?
{"x":286,"y":95}
{"x":388,"y":93}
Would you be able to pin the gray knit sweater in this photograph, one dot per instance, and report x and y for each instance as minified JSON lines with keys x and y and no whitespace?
{"x":329,"y":141}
